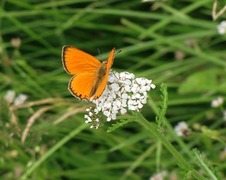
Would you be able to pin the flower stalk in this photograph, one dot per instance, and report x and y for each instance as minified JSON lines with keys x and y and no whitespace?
{"x":182,"y":162}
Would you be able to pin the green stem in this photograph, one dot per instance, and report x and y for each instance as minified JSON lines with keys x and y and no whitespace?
{"x":151,"y":127}
{"x":52,"y":150}
{"x":202,"y":163}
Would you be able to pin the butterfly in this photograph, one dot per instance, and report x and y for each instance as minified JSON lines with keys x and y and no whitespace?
{"x":90,"y":76}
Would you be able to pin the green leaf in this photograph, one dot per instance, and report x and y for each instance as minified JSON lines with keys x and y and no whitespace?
{"x":206,"y":80}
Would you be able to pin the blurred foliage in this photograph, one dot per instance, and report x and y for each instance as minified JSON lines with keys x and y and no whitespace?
{"x":170,"y":42}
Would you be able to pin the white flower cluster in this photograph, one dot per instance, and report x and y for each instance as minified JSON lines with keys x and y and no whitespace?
{"x":10,"y":97}
{"x":150,"y":0}
{"x":159,"y":176}
{"x":222,"y":28}
{"x":182,"y":129}
{"x":217,"y":102}
{"x":123,"y":92}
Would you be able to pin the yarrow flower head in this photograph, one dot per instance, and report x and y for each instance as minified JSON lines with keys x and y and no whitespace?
{"x":182,"y":129}
{"x":159,"y":176}
{"x":20,"y":99}
{"x":11,"y":98}
{"x":222,"y":28}
{"x":217,"y":102}
{"x":123,"y":92}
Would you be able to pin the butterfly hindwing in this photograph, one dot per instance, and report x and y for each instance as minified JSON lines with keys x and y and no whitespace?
{"x":81,"y":85}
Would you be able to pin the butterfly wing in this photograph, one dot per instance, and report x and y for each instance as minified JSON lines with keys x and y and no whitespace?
{"x":76,"y":61}
{"x":110,"y":60}
{"x":101,"y":84}
{"x":81,"y":85}
{"x":86,"y":82}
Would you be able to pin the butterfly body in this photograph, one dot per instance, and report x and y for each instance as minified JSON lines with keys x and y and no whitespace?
{"x":90,"y":76}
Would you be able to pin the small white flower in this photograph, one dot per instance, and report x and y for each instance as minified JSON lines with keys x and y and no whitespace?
{"x":10,"y":96}
{"x":20,"y":99}
{"x":123,"y":111}
{"x":124,"y":92}
{"x":159,"y":176}
{"x":182,"y":129}
{"x":153,"y":86}
{"x":88,"y":119}
{"x":144,"y":1}
{"x":217,"y":102}
{"x":148,"y":0}
{"x":16,"y":42}
{"x":222,"y":28}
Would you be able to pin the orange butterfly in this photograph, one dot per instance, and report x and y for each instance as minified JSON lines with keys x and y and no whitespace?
{"x":90,"y":76}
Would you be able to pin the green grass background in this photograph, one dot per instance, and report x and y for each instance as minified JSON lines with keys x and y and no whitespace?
{"x":171,"y":42}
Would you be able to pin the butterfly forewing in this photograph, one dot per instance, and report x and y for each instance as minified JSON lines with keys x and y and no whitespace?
{"x":110,"y":59}
{"x":76,"y":61}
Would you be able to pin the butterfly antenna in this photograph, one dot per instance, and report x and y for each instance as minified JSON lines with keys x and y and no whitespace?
{"x":98,"y":50}
{"x":119,"y":51}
